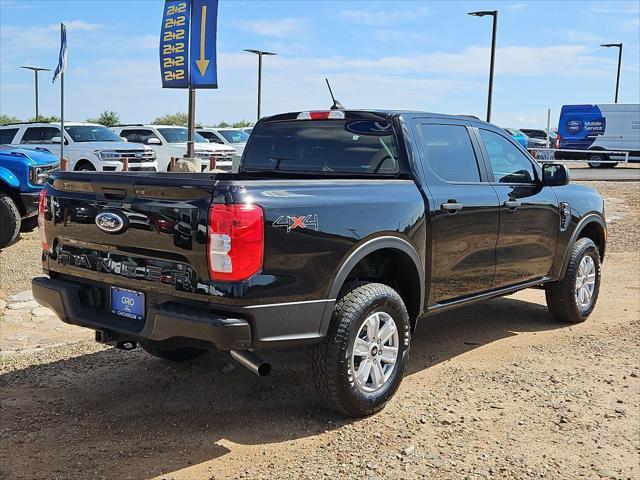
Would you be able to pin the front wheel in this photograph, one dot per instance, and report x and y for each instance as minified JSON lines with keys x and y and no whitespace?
{"x":360,"y":364}
{"x":573,"y":298}
{"x":596,"y":160}
{"x":9,"y":220}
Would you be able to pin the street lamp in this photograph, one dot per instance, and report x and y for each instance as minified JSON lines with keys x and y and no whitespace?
{"x":35,"y":71}
{"x":619,"y":45}
{"x":260,"y":53}
{"x":494,"y":14}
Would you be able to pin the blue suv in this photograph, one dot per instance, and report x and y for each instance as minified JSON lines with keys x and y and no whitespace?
{"x":23,"y":171}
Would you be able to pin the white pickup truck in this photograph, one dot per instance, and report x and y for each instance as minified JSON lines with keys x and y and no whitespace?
{"x":88,"y":146}
{"x":171,"y":141}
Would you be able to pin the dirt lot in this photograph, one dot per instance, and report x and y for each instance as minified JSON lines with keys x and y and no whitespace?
{"x":493,"y":391}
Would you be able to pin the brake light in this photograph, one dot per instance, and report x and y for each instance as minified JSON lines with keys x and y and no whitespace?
{"x":558,"y":141}
{"x":235,"y":241}
{"x":42,"y":205}
{"x":322,"y":115}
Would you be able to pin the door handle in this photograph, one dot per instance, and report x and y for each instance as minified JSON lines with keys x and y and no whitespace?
{"x":451,"y":207}
{"x":512,"y":204}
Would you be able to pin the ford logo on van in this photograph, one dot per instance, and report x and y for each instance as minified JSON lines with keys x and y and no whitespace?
{"x":111,"y":222}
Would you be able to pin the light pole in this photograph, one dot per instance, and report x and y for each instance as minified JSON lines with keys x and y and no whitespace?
{"x":35,"y":71}
{"x":260,"y":53}
{"x":619,"y":45}
{"x":494,"y":14}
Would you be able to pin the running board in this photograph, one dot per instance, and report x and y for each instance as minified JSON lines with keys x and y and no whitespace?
{"x":443,"y":307}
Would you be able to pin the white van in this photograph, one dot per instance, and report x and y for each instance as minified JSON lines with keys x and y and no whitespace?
{"x":87,"y":146}
{"x":599,"y":128}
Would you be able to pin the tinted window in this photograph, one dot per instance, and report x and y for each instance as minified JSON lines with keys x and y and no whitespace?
{"x":179,"y":135}
{"x":327,"y":146}
{"x":212,"y":137}
{"x":92,"y":133}
{"x":36,"y":135}
{"x":508,"y":163}
{"x":450,"y":152}
{"x":235,"y":136}
{"x":138,"y":135}
{"x":7,"y":135}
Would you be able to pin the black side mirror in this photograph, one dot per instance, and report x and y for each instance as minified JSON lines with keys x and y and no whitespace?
{"x":554,"y":175}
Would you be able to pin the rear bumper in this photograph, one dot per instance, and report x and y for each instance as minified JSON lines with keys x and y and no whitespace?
{"x":175,"y":322}
{"x":168,"y":324}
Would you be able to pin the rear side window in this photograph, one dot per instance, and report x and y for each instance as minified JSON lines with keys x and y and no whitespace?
{"x":7,"y":135}
{"x":212,"y":137}
{"x":324,"y":146}
{"x":35,"y":135}
{"x":450,"y":152}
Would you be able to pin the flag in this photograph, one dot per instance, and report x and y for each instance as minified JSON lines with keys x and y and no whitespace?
{"x":62,"y":57}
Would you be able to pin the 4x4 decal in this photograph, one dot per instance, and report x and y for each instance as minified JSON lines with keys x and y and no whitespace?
{"x":291,"y":222}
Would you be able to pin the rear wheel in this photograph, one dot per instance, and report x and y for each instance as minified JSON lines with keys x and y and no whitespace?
{"x":360,"y":364}
{"x":9,"y":220}
{"x":178,"y":355}
{"x":573,"y":298}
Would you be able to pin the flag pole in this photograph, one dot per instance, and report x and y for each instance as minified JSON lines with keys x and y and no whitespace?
{"x":61,"y":101}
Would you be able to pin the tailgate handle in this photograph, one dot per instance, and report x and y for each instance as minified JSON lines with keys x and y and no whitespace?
{"x":114,"y":193}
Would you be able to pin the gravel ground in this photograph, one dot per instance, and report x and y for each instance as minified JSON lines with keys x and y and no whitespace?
{"x":496,"y":390}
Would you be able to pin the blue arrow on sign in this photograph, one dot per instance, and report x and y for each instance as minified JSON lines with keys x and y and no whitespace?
{"x":203,"y":72}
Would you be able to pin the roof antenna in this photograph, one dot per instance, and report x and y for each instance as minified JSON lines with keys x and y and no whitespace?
{"x":336,"y":104}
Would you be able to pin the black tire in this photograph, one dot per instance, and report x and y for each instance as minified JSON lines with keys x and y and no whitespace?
{"x":183,"y":354}
{"x":595,"y":160}
{"x":331,"y":360}
{"x":9,"y":220}
{"x":29,"y":224}
{"x":85,"y":166}
{"x":561,"y":296}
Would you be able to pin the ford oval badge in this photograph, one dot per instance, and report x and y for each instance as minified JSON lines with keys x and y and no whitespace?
{"x":111,"y":222}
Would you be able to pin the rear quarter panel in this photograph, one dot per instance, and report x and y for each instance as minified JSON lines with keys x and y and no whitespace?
{"x":300,"y":263}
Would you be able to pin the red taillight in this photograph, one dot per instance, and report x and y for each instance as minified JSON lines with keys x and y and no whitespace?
{"x":235,"y":242}
{"x":322,"y":115}
{"x":558,"y":142}
{"x":42,"y":205}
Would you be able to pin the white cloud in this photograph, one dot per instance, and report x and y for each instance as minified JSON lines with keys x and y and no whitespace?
{"x":516,"y":6}
{"x":378,"y":18}
{"x":282,"y":28}
{"x":582,"y":36}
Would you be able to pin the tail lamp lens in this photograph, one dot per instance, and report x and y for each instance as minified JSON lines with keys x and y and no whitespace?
{"x":236,"y":241}
{"x":42,"y":205}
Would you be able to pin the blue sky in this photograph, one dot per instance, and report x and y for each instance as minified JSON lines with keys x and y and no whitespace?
{"x":382,"y":54}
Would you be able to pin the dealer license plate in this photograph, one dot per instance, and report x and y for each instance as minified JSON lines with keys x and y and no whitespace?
{"x":127,"y":303}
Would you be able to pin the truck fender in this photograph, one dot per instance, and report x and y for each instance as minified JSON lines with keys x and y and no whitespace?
{"x":8,"y":178}
{"x":371,"y":246}
{"x":584,"y":222}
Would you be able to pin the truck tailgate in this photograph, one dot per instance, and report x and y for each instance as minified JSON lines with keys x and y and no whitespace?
{"x":134,"y":228}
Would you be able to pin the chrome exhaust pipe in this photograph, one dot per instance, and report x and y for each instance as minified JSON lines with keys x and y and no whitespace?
{"x":253,"y":362}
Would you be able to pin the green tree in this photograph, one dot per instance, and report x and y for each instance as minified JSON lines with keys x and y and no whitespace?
{"x":108,"y":118}
{"x":242,"y":124}
{"x":179,"y":118}
{"x":223,"y":125}
{"x":7,"y":119}
{"x":45,"y":118}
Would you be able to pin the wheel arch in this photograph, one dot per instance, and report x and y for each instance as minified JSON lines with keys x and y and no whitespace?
{"x":591,"y":226}
{"x":390,"y":260}
{"x":83,"y":161}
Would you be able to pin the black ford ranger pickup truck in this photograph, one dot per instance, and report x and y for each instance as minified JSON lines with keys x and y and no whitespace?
{"x":340,"y":231}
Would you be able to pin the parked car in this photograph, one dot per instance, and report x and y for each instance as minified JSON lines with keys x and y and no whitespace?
{"x":22,"y":174}
{"x":234,"y":137}
{"x":248,"y":130}
{"x":171,"y":141}
{"x":537,"y":138}
{"x":599,"y":128}
{"x":88,"y":146}
{"x":341,"y":230}
{"x":518,"y":136}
